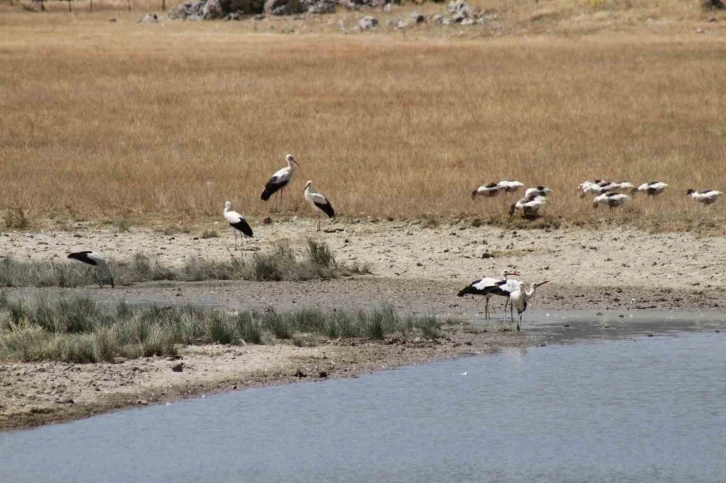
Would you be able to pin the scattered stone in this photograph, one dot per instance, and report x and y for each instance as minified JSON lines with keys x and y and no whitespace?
{"x":184,"y":11}
{"x":486,"y":255}
{"x":142,"y":402}
{"x":324,"y":374}
{"x":66,"y":400}
{"x":300,"y":374}
{"x":112,"y":20}
{"x":466,"y":21}
{"x":173,"y":358}
{"x":401,"y":25}
{"x":367,"y":23}
{"x":213,"y":10}
{"x":566,"y":326}
{"x":149,"y":18}
{"x":283,"y":7}
{"x":178,"y":367}
{"x":267,"y":221}
{"x":119,"y":360}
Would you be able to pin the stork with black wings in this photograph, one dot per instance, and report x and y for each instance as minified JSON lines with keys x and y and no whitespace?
{"x":318,"y":201}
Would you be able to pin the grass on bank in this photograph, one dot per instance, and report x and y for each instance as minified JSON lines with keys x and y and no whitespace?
{"x":280,"y":263}
{"x":79,"y":330}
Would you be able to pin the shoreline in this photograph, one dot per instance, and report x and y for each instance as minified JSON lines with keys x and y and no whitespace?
{"x":77,"y":391}
{"x":416,"y":270}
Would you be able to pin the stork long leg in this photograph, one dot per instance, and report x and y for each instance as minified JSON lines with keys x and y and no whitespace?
{"x":318,"y":211}
{"x":486,"y":308}
{"x":520,"y":321}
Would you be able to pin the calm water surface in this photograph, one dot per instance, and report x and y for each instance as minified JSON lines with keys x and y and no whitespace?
{"x":643,"y":410}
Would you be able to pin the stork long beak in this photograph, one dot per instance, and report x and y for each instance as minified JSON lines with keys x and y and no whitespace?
{"x":542,"y":283}
{"x":515,"y":274}
{"x":293,"y":160}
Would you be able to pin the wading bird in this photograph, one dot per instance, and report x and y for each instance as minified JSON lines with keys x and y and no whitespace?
{"x":488,"y":191}
{"x":537,"y":191}
{"x":96,"y":262}
{"x":529,"y":205}
{"x":707,"y":197}
{"x":651,"y":189}
{"x":519,"y":299}
{"x":237,"y":223}
{"x":279,"y":180}
{"x":318,"y":201}
{"x":510,"y":186}
{"x":611,"y":199}
{"x":489,"y":286}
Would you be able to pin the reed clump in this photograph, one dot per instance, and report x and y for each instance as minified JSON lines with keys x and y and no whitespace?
{"x":79,"y":330}
{"x":280,"y":263}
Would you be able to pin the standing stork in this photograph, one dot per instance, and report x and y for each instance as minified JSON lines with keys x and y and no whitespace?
{"x":278,"y":181}
{"x":519,"y":299}
{"x":707,"y":197}
{"x":318,"y":201}
{"x":586,"y":186}
{"x":510,"y":186}
{"x":611,"y":199}
{"x":96,"y":261}
{"x":487,"y":190}
{"x":529,"y":205}
{"x":487,"y":287}
{"x":537,"y":191}
{"x":651,"y":189}
{"x":237,"y":223}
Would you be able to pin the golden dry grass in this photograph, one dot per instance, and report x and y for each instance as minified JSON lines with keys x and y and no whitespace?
{"x":102,"y":120}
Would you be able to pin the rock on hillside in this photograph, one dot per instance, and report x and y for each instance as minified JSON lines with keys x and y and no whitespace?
{"x":217,"y":9}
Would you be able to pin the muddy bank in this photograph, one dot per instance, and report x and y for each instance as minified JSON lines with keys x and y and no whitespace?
{"x":33,"y":394}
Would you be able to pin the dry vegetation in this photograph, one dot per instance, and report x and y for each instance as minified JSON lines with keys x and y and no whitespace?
{"x":105,"y":120}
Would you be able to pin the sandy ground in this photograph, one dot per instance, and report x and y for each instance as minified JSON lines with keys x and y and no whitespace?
{"x":418,"y":270}
{"x":611,"y":257}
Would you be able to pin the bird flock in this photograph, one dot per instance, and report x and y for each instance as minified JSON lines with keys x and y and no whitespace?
{"x":516,"y":292}
{"x":609,"y":193}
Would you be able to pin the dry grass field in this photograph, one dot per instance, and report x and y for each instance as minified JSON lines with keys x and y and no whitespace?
{"x":102,"y":120}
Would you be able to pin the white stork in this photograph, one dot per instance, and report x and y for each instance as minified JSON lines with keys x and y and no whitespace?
{"x":237,"y":223}
{"x":623,"y":185}
{"x":529,"y":205}
{"x":96,"y":261}
{"x":587,"y":186}
{"x":318,"y":201}
{"x":279,"y":180}
{"x":537,"y":191}
{"x":707,"y":197}
{"x":651,"y":189}
{"x":510,"y":186}
{"x":519,"y":299}
{"x":611,"y":199}
{"x":489,"y":286}
{"x":487,"y":190}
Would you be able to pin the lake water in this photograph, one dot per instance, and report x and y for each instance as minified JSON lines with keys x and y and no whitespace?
{"x":649,"y":409}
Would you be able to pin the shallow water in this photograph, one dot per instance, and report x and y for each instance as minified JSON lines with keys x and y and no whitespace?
{"x":640,"y":410}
